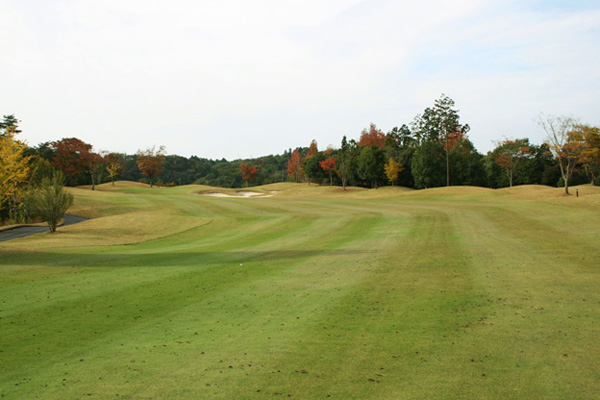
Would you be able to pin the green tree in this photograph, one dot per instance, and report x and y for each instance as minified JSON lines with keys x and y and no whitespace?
{"x":370,"y":165}
{"x":427,"y":165}
{"x":9,"y":121}
{"x":312,"y":168}
{"x":345,"y":161}
{"x":467,"y":164}
{"x":441,"y":124}
{"x":49,"y":201}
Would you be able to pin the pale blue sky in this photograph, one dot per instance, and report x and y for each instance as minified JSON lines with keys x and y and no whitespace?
{"x":239,"y":78}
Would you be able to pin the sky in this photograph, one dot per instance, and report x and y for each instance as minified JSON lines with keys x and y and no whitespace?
{"x":241,"y":79}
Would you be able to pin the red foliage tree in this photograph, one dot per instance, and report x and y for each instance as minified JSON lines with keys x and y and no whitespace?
{"x":151,"y":162}
{"x":294,"y":167}
{"x":71,"y":156}
{"x":372,"y":137}
{"x":328,"y":165}
{"x":249,"y":172}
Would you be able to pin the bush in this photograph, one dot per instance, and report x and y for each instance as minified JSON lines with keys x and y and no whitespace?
{"x":49,"y":201}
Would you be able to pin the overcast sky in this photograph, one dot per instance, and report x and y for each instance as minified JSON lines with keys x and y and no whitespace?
{"x":243,"y":78}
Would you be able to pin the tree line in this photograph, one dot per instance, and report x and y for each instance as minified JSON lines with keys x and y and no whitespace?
{"x":432,"y":150}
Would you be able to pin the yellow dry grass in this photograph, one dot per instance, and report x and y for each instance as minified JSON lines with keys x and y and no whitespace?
{"x":589,"y":196}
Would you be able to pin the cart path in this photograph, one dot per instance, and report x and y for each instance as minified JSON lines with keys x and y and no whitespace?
{"x":23,"y":231}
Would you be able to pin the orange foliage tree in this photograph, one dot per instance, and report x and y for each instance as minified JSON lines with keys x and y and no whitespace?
{"x":588,"y":140}
{"x":249,"y":172}
{"x":372,"y":137}
{"x":151,"y":162}
{"x":328,"y":165}
{"x":294,"y":167}
{"x":509,"y":155}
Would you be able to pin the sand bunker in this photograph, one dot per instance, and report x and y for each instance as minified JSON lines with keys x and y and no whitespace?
{"x":241,"y":194}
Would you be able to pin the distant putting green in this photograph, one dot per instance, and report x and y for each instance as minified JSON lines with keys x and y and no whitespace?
{"x":313,"y":293}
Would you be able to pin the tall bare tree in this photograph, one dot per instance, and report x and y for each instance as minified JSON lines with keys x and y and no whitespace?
{"x":557,"y":130}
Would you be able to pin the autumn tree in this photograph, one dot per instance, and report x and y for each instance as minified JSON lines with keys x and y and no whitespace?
{"x":49,"y":201}
{"x":94,"y":164}
{"x":328,"y":165}
{"x":312,"y":149}
{"x":509,"y":154}
{"x":249,"y":172}
{"x":151,"y":162}
{"x":372,"y":137}
{"x":587,"y":139}
{"x":294,"y":166}
{"x":560,"y":144}
{"x":14,"y":171}
{"x":71,"y":156}
{"x":392,"y":170}
{"x":113,"y":165}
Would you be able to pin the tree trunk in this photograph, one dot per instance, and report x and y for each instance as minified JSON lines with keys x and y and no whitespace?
{"x":565,"y":176}
{"x":447,"y":164}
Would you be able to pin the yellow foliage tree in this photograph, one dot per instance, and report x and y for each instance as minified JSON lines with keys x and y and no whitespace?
{"x":587,"y":138}
{"x":392,"y":170}
{"x":14,"y":171}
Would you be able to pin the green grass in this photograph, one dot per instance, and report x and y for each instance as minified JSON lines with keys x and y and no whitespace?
{"x":314,"y":293}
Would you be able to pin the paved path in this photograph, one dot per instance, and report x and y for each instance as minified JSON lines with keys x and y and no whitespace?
{"x":23,"y":231}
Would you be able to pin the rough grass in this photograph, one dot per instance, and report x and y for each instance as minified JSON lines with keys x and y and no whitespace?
{"x":314,"y":293}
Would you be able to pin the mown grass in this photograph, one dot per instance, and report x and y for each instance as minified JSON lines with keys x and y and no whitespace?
{"x":313,"y":293}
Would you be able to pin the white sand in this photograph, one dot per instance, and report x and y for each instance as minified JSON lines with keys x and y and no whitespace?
{"x":241,"y":194}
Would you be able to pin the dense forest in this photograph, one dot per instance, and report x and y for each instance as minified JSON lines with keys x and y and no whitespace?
{"x":432,"y":150}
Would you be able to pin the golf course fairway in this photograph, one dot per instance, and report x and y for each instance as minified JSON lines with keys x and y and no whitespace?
{"x":307,"y":292}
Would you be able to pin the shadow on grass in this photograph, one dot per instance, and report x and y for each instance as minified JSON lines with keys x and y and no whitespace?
{"x":166,"y":259}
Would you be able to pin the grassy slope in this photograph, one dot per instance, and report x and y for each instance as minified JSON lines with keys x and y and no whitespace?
{"x":445,"y":293}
